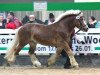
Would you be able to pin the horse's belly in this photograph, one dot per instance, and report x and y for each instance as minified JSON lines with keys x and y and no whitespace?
{"x":48,"y":42}
{"x":45,"y":41}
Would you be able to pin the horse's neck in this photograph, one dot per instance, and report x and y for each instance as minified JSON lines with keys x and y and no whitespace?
{"x":61,"y":26}
{"x":67,"y":24}
{"x":53,"y":26}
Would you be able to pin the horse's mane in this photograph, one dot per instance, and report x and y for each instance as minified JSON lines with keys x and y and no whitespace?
{"x":67,"y":13}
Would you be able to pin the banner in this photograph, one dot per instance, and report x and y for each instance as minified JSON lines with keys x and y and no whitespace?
{"x":40,"y":5}
{"x":91,"y":39}
{"x":6,"y":37}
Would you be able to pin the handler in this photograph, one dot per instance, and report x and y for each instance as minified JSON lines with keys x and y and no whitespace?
{"x":67,"y":64}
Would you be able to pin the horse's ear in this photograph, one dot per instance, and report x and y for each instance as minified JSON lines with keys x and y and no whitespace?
{"x":79,"y":13}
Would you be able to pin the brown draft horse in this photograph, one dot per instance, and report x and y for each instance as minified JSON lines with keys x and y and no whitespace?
{"x":56,"y":34}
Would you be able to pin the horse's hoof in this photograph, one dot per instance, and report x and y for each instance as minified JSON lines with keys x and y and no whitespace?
{"x":6,"y":64}
{"x":47,"y":65}
{"x":37,"y":67}
{"x":75,"y":67}
{"x":37,"y":64}
{"x":34,"y":67}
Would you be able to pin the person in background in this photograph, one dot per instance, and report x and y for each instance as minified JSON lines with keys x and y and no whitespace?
{"x":97,"y":24}
{"x":12,"y":21}
{"x":32,"y":19}
{"x":51,"y":19}
{"x":67,"y":64}
{"x":25,"y":19}
{"x":2,"y":22}
{"x":92,"y":22}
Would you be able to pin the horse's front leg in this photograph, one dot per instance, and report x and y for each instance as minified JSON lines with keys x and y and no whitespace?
{"x":33,"y":57}
{"x":54,"y":57}
{"x":73,"y":62}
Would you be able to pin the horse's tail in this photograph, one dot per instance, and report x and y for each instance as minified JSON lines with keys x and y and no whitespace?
{"x":10,"y":53}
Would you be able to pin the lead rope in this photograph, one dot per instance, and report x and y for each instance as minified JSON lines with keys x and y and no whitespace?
{"x":77,"y":31}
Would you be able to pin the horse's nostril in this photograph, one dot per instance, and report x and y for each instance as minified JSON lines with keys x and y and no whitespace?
{"x":87,"y":28}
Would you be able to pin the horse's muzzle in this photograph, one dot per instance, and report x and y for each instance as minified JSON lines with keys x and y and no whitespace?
{"x":85,"y":29}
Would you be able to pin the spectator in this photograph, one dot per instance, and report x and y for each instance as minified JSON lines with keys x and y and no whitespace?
{"x":12,"y":21}
{"x":2,"y":22}
{"x":32,"y":19}
{"x":97,"y":24}
{"x":25,"y":19}
{"x":92,"y":22}
{"x":51,"y":19}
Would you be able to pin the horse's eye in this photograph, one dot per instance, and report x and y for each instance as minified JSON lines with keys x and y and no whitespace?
{"x":81,"y":18}
{"x":77,"y":17}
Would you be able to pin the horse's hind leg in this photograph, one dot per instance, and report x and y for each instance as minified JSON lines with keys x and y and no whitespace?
{"x":13,"y":56}
{"x":54,"y":57}
{"x":34,"y":60}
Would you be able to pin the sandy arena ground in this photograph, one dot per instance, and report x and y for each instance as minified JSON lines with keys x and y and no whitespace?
{"x":31,"y":71}
{"x":89,"y":65}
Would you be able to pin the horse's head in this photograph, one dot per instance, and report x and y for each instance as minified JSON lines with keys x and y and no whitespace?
{"x":80,"y":22}
{"x":72,"y":18}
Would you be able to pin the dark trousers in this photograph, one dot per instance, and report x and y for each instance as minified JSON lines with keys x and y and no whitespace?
{"x":67,"y":63}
